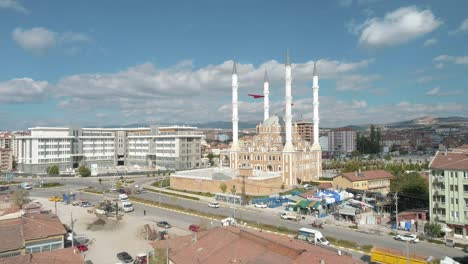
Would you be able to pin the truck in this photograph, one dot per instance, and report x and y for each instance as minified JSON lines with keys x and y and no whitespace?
{"x":126,"y":206}
{"x":290,"y":216}
{"x":390,"y":256}
{"x":312,"y":236}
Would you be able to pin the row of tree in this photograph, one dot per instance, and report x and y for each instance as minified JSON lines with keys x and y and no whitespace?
{"x":83,"y":171}
{"x":371,"y":144}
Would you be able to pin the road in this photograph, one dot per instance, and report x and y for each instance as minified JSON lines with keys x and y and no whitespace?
{"x":263,"y":216}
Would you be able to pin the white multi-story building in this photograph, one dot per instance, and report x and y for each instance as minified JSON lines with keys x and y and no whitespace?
{"x":342,"y":140}
{"x":68,"y":147}
{"x":448,"y":191}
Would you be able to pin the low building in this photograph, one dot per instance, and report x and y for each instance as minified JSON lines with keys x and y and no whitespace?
{"x":59,"y":256}
{"x":234,"y":245}
{"x":30,"y":234}
{"x":375,"y":181}
{"x":448,"y":190}
{"x":243,"y":180}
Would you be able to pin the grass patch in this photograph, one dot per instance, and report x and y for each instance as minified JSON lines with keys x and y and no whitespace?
{"x":163,"y":183}
{"x":353,"y":227}
{"x":206,"y":194}
{"x":51,"y":185}
{"x":174,"y":194}
{"x":290,"y":191}
{"x":92,"y":190}
{"x":435,"y":241}
{"x":349,"y":244}
{"x":392,"y":234}
{"x":325,"y":179}
{"x":9,"y":183}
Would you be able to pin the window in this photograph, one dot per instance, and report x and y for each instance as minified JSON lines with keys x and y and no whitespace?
{"x":465,"y":188}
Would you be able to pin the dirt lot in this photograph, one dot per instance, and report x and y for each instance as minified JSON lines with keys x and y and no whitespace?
{"x":110,"y":236}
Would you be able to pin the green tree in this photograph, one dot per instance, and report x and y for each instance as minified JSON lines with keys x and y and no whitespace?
{"x":433,"y":229}
{"x":210,"y":158}
{"x":53,"y":170}
{"x":223,"y":187}
{"x":84,"y":171}
{"x":233,"y":189}
{"x":355,"y":154}
{"x":413,"y":190}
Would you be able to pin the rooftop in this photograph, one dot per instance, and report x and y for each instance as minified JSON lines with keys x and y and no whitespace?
{"x":222,"y":174}
{"x":58,"y":256}
{"x":36,"y":226}
{"x":456,"y":159}
{"x":367,"y":175}
{"x":223,"y":244}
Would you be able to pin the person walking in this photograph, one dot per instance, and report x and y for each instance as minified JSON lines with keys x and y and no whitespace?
{"x":144,"y":212}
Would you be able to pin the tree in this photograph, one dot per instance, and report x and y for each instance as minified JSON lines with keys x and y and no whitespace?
{"x":413,"y":190}
{"x":355,"y":154}
{"x":118,"y":185}
{"x":84,"y":171}
{"x":210,"y":158}
{"x":233,"y":189}
{"x":223,"y":187}
{"x":433,"y":229}
{"x":53,"y":170}
{"x":20,"y":197}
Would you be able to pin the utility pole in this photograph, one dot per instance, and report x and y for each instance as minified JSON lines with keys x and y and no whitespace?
{"x":396,"y":216}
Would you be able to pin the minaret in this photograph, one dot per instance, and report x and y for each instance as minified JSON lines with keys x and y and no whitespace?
{"x":288,"y":147}
{"x":235,"y":118}
{"x":266,"y":103}
{"x":315,"y":88}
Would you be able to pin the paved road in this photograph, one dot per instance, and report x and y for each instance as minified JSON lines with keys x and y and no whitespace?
{"x":266,"y":216}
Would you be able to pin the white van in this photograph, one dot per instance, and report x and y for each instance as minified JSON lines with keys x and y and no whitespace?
{"x":126,"y":206}
{"x":123,"y":197}
{"x":312,"y":236}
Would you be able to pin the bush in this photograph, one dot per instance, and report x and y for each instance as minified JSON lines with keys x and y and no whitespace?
{"x":51,"y":184}
{"x":84,"y":171}
{"x":53,"y":170}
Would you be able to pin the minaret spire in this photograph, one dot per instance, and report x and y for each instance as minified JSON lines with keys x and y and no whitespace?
{"x":235,"y":118}
{"x":315,"y":88}
{"x":266,"y":102}
{"x":288,"y":147}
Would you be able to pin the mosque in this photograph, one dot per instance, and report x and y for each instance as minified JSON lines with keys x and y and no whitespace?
{"x":276,"y":158}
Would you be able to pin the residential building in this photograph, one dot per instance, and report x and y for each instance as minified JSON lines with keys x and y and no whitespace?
{"x":59,"y":256}
{"x":305,"y":129}
{"x":6,"y":140}
{"x":174,"y":147}
{"x":374,"y":180}
{"x":6,"y":159}
{"x":448,"y":188}
{"x":324,"y":142}
{"x":236,"y":245}
{"x":342,"y":140}
{"x":31,"y":233}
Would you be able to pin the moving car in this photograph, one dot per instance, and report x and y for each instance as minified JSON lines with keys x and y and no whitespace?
{"x":86,"y":204}
{"x":261,"y":205}
{"x":194,"y":228}
{"x":407,"y":238}
{"x":163,"y":224}
{"x":124,"y":257}
{"x":213,"y":205}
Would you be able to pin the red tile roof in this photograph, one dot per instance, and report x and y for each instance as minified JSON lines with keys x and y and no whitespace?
{"x":453,"y":160}
{"x":58,"y":256}
{"x":42,"y":225}
{"x":233,"y":245}
{"x":12,"y":238}
{"x":325,"y":185}
{"x":368,"y":175}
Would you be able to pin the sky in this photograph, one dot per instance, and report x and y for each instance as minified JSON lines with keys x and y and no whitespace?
{"x":119,"y":62}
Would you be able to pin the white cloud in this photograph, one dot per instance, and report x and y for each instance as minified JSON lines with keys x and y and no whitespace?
{"x":358,"y":2}
{"x":14,"y":5}
{"x":359,"y":104}
{"x":355,"y":82}
{"x":181,"y":93}
{"x":430,"y":42}
{"x":397,"y":27}
{"x":463,"y":27}
{"x":453,"y":59}
{"x":424,"y":79}
{"x":436,"y":91}
{"x":39,"y":40}
{"x":439,"y":66}
{"x":22,"y":90}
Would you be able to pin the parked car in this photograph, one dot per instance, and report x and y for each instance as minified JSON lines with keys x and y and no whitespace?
{"x":136,"y":186}
{"x":261,"y":205}
{"x":4,"y":188}
{"x":213,"y":205}
{"x":163,"y":224}
{"x":86,"y":204}
{"x":125,"y":257}
{"x":407,"y":238}
{"x":194,"y":228}
{"x":76,"y":203}
{"x":82,"y":247}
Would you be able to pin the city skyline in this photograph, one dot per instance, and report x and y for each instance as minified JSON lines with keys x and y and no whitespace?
{"x":378,"y":61}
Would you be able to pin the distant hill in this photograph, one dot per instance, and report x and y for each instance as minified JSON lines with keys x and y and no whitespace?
{"x":430,"y":121}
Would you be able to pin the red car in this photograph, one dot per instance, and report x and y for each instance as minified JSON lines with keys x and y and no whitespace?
{"x":194,"y":228}
{"x":82,"y":247}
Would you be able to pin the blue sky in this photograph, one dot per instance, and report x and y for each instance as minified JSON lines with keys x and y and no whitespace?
{"x":122,"y":62}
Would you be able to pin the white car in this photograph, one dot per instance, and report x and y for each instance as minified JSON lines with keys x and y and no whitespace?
{"x":213,"y":205}
{"x":261,"y":205}
{"x":407,"y":238}
{"x":136,"y":186}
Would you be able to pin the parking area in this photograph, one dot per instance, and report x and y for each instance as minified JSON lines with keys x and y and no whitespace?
{"x":109,"y":237}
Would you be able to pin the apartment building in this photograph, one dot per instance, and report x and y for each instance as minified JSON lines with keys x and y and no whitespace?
{"x":173,"y":148}
{"x":342,"y":140}
{"x":305,"y":130}
{"x":448,"y":188}
{"x":6,"y":159}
